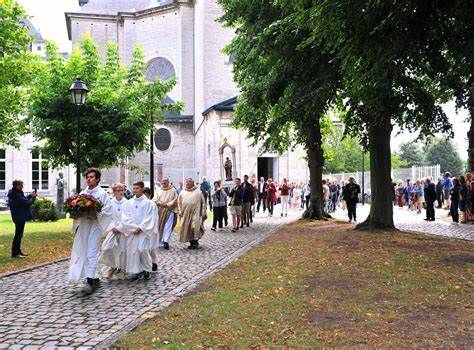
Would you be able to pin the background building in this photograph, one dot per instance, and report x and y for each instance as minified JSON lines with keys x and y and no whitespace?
{"x":182,"y":39}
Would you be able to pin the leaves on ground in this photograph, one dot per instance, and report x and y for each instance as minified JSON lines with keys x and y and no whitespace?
{"x":321,"y":284}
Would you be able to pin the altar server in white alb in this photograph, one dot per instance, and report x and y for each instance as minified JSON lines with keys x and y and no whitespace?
{"x":86,"y":246}
{"x":114,"y":248}
{"x":138,"y":222}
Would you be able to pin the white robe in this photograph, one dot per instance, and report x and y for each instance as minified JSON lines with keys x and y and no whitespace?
{"x":114,"y":247}
{"x":86,"y":246}
{"x":138,"y":213}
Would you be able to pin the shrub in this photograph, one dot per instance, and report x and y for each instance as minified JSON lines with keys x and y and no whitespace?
{"x":44,"y":210}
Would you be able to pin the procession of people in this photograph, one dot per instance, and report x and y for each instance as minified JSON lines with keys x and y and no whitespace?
{"x":137,"y":227}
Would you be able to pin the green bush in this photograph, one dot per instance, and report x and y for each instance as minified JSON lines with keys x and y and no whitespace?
{"x":44,"y":210}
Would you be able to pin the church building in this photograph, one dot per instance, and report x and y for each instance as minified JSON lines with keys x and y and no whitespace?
{"x":183,"y":39}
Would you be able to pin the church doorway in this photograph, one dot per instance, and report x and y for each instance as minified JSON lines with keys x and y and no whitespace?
{"x":267,"y":167}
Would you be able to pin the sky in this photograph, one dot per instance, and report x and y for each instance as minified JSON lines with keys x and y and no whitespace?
{"x":48,"y":17}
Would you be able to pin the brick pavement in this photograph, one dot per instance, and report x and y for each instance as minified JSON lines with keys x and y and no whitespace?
{"x":40,"y":310}
{"x":411,"y":221}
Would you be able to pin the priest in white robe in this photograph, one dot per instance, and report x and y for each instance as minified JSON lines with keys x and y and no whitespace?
{"x":86,"y":247}
{"x":193,"y":212}
{"x":138,"y":223}
{"x":114,"y":247}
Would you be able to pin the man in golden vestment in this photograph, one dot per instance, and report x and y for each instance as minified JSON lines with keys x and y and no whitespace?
{"x":192,"y":211}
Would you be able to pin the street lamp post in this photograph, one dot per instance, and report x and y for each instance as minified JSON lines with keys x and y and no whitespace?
{"x":152,"y":163}
{"x":78,"y":92}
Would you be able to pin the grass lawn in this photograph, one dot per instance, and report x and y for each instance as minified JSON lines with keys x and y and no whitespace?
{"x":322,"y":285}
{"x":42,"y":241}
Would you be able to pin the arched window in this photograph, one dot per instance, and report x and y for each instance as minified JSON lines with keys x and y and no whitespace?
{"x":160,"y":68}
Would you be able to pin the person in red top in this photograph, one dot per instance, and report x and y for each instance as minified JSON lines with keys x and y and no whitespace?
{"x":271,"y":196}
{"x":285,"y":195}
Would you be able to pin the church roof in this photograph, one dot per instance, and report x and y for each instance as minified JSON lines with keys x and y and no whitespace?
{"x":227,"y":105}
{"x":112,"y":7}
{"x":33,"y":31}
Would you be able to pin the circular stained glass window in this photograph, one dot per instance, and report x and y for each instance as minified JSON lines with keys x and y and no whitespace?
{"x":163,"y":139}
{"x":160,"y":68}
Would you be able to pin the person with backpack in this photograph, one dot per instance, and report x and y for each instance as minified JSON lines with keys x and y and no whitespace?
{"x":447,"y":185}
{"x":351,"y":195}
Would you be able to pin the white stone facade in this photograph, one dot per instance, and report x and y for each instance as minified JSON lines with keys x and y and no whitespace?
{"x":187,"y":34}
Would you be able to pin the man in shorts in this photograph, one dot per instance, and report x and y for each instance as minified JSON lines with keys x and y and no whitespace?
{"x":236,"y":196}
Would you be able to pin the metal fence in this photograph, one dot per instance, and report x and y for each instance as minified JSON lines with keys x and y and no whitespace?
{"x":413,"y":173}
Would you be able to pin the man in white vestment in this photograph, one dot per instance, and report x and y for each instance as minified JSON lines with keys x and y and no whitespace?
{"x":114,"y":248}
{"x":86,"y":246}
{"x":138,"y":223}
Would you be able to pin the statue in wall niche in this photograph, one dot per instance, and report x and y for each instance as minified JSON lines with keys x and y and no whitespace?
{"x":228,"y":169}
{"x":60,"y":192}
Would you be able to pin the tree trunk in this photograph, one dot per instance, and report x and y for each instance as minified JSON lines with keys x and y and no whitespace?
{"x":470,"y":133}
{"x":314,"y":152}
{"x":381,"y":206}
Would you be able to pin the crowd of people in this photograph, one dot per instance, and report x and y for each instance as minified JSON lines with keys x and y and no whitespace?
{"x":455,"y":194}
{"x":137,"y":224}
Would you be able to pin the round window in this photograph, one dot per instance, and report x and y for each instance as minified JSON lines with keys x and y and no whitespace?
{"x":163,"y":139}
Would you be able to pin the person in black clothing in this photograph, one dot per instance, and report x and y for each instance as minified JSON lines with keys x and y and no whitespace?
{"x":333,"y":196}
{"x":430,"y":197}
{"x":20,"y":210}
{"x":454,"y":193}
{"x":393,"y":185}
{"x":262,"y":194}
{"x":351,"y":195}
{"x":248,"y":199}
{"x":439,"y":193}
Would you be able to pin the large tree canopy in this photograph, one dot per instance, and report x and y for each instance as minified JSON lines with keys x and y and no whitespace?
{"x":120,"y":110}
{"x":411,"y":153}
{"x":17,"y":65}
{"x":385,"y":54}
{"x":285,"y":89}
{"x":442,"y":151}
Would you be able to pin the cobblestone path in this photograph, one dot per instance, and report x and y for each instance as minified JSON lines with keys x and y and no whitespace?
{"x":411,"y":221}
{"x":40,"y":310}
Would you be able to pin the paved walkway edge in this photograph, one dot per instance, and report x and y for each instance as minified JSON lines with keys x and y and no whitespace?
{"x":185,"y":288}
{"x":32,"y":267}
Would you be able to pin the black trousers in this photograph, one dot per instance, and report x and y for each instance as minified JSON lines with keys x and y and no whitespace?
{"x":308,"y":198}
{"x":218,"y":216}
{"x":16,"y":245}
{"x":454,"y":210}
{"x":270,"y":206}
{"x":262,"y":199}
{"x":430,"y":212}
{"x":225,"y":216}
{"x":351,"y":210}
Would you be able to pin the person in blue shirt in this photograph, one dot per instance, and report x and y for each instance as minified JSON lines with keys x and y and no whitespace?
{"x":20,"y":210}
{"x":419,"y":196}
{"x":447,"y":184}
{"x":409,"y":190}
{"x":206,"y":191}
